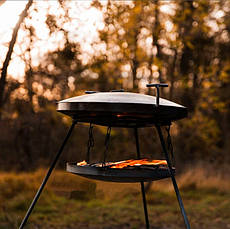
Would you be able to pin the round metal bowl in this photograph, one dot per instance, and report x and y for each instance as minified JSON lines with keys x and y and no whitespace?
{"x":124,"y":175}
{"x":121,"y":109}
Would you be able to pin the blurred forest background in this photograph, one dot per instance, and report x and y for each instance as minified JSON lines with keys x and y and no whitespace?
{"x":63,"y":48}
{"x":59,"y":49}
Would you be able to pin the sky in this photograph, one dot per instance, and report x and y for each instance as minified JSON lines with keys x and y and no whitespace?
{"x":83,"y":29}
{"x":86,"y":21}
{"x":9,"y":14}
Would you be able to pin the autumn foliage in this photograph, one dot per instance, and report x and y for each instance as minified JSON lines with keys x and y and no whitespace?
{"x":182,"y":43}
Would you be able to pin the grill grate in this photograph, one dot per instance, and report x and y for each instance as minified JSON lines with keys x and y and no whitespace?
{"x":130,"y":174}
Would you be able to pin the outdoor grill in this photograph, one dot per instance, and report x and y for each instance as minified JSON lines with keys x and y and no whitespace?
{"x":127,"y":110}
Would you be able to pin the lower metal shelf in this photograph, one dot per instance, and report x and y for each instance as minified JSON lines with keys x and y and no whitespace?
{"x":124,"y":175}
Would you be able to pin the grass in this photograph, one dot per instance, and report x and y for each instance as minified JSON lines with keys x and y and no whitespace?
{"x":72,"y":202}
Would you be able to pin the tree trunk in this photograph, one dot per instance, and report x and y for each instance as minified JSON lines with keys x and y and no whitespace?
{"x":135,"y":63}
{"x":134,"y":72}
{"x":29,"y":74}
{"x":9,"y":53}
{"x":172,"y":77}
{"x":155,"y":37}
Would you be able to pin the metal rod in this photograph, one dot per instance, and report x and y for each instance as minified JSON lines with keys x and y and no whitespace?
{"x":142,"y":183}
{"x":158,"y":96}
{"x":47,"y":177}
{"x":90,"y":143}
{"x":173,"y":178}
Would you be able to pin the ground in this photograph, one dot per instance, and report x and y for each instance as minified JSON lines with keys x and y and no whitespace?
{"x":71,"y":202}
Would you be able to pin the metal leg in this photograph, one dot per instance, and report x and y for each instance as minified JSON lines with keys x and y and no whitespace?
{"x":142,"y":183}
{"x":47,"y":177}
{"x":173,"y":177}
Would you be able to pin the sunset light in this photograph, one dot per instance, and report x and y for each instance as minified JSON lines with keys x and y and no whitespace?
{"x":83,"y":28}
{"x":117,"y":112}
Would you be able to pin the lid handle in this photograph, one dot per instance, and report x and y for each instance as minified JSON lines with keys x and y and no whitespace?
{"x":157,"y":86}
{"x":90,"y":92}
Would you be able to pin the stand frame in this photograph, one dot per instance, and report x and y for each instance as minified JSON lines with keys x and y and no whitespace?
{"x":53,"y":164}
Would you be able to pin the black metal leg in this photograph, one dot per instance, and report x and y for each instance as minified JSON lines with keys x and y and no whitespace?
{"x":142,"y":183}
{"x":173,"y":177}
{"x":46,"y":177}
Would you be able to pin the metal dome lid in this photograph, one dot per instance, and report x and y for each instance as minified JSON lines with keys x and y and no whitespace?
{"x":122,"y":109}
{"x":117,"y":97}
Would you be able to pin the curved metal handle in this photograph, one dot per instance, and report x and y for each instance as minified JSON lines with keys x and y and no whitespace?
{"x":157,"y":86}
